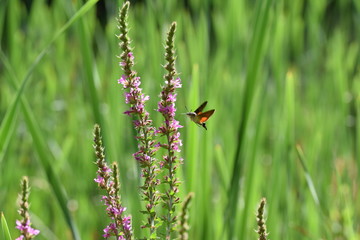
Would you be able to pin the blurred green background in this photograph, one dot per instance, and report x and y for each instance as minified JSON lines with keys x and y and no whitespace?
{"x":284,"y":79}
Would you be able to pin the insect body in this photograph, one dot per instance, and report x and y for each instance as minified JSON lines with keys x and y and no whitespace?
{"x":200,"y":117}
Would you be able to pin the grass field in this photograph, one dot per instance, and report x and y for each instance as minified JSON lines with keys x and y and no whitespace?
{"x":283,"y":76}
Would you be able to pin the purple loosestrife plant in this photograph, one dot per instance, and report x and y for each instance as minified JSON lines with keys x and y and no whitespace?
{"x":108,"y":180}
{"x":142,"y":124}
{"x":169,"y":129}
{"x":24,"y":225}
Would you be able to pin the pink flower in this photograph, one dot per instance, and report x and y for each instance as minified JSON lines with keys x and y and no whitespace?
{"x":26,"y":229}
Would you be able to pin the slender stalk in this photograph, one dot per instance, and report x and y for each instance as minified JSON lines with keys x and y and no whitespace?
{"x":184,"y":225}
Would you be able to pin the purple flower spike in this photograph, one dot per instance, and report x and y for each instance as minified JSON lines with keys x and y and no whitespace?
{"x":108,"y":180}
{"x":170,"y":128}
{"x":143,"y":125}
{"x":24,"y":225}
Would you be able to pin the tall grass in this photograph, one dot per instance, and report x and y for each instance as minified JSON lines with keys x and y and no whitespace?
{"x":284,"y":80}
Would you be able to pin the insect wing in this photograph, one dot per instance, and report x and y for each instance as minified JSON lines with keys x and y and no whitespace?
{"x":203,"y":117}
{"x":199,"y":109}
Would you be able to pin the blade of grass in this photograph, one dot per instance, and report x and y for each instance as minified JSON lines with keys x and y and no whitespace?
{"x":5,"y":233}
{"x":89,"y":68}
{"x":9,"y":119}
{"x":283,"y":149}
{"x":325,"y":219}
{"x":7,"y":127}
{"x":192,"y":134}
{"x":308,"y":178}
{"x":192,"y":154}
{"x":256,"y":55}
{"x":2,"y":17}
{"x":251,"y":175}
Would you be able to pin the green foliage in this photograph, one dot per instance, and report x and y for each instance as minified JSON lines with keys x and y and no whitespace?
{"x":280,"y":74}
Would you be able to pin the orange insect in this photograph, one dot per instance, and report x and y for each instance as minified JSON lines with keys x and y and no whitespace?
{"x":200,"y":117}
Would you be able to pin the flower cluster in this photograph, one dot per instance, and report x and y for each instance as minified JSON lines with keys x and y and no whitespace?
{"x":27,"y":232}
{"x":166,"y":105}
{"x":24,"y":225}
{"x":130,"y":81}
{"x":134,"y":96}
{"x":170,"y":126}
{"x":107,"y":179}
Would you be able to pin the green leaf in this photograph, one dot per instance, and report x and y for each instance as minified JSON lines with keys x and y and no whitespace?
{"x":5,"y":233}
{"x":256,"y":55}
{"x":308,"y":178}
